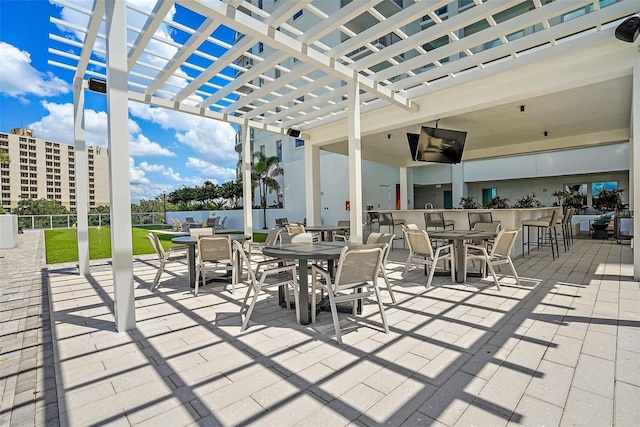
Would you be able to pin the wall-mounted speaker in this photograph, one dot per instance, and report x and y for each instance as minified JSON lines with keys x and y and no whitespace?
{"x":97,"y":85}
{"x":628,"y":31}
{"x":293,"y":132}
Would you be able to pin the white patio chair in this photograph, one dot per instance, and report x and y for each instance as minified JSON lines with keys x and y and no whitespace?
{"x":255,"y":248}
{"x":214,"y":255}
{"x":174,"y":253}
{"x":205,"y":231}
{"x":378,"y":238}
{"x":358,"y":267}
{"x":421,"y":253}
{"x":263,"y":278}
{"x":500,"y":253}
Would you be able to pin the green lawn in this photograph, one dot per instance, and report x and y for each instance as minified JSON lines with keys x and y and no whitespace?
{"x":62,"y":245}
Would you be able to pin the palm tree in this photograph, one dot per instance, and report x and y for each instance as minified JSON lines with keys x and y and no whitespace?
{"x":264,"y":171}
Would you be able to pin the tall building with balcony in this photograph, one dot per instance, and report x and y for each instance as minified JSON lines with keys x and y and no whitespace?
{"x":42,"y":169}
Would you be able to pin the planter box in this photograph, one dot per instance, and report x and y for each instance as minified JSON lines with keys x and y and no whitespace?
{"x":8,"y":231}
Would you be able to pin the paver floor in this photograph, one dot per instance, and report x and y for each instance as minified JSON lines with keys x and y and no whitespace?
{"x":561,"y":348}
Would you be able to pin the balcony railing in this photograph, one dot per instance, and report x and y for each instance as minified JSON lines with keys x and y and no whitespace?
{"x":95,"y":220}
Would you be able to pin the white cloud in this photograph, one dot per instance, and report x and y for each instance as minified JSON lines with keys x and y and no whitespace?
{"x":211,"y":171}
{"x":58,"y":124}
{"x":213,"y":140}
{"x":145,"y":166}
{"x":141,"y":146}
{"x":137,"y":175}
{"x":19,"y":79}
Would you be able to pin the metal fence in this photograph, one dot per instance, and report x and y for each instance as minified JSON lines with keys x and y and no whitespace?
{"x":95,"y":220}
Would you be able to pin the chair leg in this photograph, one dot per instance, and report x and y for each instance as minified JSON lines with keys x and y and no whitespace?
{"x":381,"y":308}
{"x":246,"y":297}
{"x":493,"y":273}
{"x":515,"y":274}
{"x":407,"y":265}
{"x":432,"y":271}
{"x":334,"y":314}
{"x":156,"y":280}
{"x":195,"y":290}
{"x":296,"y":296}
{"x":386,"y":280}
{"x":245,"y":323}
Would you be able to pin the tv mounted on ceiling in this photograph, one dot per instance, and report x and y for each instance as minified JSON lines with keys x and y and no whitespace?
{"x":437,"y":145}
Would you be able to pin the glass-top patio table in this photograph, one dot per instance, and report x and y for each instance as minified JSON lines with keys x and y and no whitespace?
{"x":327,"y":251}
{"x":457,"y":237}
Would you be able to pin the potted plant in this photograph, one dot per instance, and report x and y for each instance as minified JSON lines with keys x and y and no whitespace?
{"x":468,"y":203}
{"x":528,"y":201}
{"x":498,"y":203}
{"x":609,"y":200}
{"x":570,"y":199}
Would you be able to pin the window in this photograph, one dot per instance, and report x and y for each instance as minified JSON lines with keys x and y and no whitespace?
{"x":299,"y":143}
{"x":597,"y":186}
{"x":279,"y":149}
{"x":260,"y":47}
{"x":488,"y":194}
{"x":297,"y":15}
{"x":262,"y":150}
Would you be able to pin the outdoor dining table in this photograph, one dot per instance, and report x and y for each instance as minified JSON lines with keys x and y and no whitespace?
{"x":326,"y":231}
{"x":458,"y":237}
{"x":191,"y":242}
{"x":326,"y":251}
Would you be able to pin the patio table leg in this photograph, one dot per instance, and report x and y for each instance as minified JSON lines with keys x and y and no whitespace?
{"x":191,"y":254}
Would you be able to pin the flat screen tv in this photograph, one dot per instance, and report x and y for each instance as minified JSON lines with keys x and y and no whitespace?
{"x":437,"y":145}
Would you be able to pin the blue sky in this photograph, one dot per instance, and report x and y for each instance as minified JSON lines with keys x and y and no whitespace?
{"x":167,"y":149}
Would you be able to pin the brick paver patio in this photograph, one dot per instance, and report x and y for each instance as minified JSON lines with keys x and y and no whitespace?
{"x":563,"y":348}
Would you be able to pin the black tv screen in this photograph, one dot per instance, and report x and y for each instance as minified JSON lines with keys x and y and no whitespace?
{"x":437,"y":145}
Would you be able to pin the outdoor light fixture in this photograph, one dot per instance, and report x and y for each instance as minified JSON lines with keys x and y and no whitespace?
{"x":522,"y":108}
{"x":293,"y":132}
{"x":97,"y":85}
{"x":628,"y":31}
{"x":546,"y":133}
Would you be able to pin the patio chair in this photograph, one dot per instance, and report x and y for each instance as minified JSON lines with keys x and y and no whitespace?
{"x":221,"y":224}
{"x":296,"y":238}
{"x":435,"y":220}
{"x":255,"y":248}
{"x":373,"y":218}
{"x":410,"y":227}
{"x":205,"y":231}
{"x":174,"y":253}
{"x":281,"y":222}
{"x":189,"y":220}
{"x":479,"y":217}
{"x":213,"y":221}
{"x":386,"y":219}
{"x":358,"y":267}
{"x":342,"y":235}
{"x":546,"y":230}
{"x":263,"y":278}
{"x":421,"y":253}
{"x":176,"y":225}
{"x":500,"y":253}
{"x":214,"y":255}
{"x":295,"y":228}
{"x":377,"y":238}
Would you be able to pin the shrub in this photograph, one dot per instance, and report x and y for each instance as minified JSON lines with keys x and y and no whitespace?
{"x":528,"y":201}
{"x":468,"y":203}
{"x":498,"y":203}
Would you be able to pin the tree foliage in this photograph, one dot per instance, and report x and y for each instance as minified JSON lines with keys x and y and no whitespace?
{"x":264,"y":171}
{"x":209,"y":196}
{"x":39,"y":207}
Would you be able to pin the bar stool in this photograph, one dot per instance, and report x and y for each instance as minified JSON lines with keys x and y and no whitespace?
{"x":386,"y":219}
{"x":546,"y":231}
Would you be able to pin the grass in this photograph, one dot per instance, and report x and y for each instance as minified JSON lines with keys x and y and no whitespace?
{"x":62,"y":245}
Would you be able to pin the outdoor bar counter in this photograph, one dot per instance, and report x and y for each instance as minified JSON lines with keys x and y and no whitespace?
{"x":508,"y":218}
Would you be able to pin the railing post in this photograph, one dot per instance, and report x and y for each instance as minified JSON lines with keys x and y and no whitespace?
{"x":33,"y":222}
{"x":50,"y":222}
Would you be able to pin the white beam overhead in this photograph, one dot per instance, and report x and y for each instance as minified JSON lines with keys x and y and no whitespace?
{"x":278,"y":40}
{"x":148,"y":30}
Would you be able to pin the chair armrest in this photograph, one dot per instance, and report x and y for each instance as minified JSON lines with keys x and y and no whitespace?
{"x":449,"y":246}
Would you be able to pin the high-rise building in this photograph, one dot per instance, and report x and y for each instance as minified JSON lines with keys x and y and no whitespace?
{"x":41,"y":169}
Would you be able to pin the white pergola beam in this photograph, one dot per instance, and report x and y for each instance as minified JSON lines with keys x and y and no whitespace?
{"x":148,"y":30}
{"x":280,"y":41}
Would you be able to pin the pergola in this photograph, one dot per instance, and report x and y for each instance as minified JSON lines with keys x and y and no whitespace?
{"x":346,"y":79}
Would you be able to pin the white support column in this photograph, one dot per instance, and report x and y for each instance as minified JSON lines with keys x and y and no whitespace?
{"x":120,"y":193}
{"x":355,"y":160}
{"x":404,"y":189}
{"x":82,"y":198}
{"x":313,"y":201}
{"x":458,"y":187}
{"x":247,"y":200}
{"x":634,"y":170}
